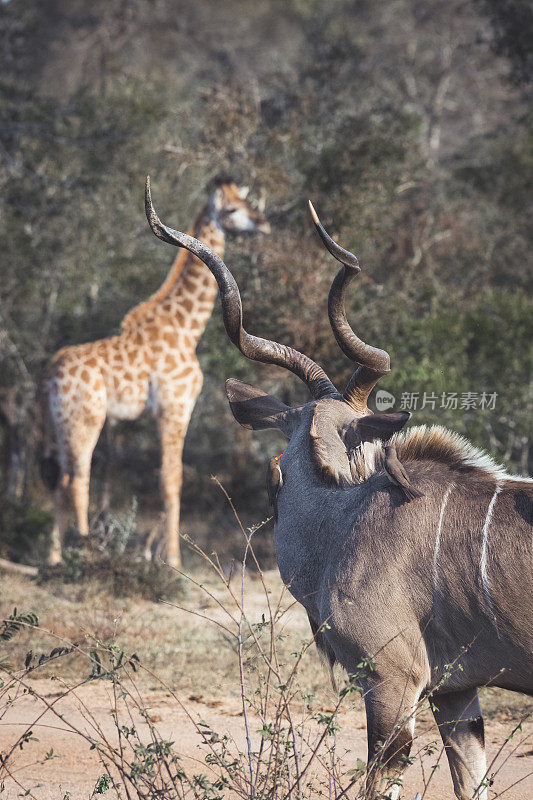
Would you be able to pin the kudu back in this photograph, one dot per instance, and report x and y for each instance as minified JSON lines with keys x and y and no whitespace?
{"x":437,"y":591}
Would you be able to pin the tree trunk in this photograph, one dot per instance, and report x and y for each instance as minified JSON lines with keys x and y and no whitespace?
{"x":18,"y":434}
{"x":15,"y":461}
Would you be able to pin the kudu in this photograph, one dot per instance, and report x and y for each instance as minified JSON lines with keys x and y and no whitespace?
{"x":436,"y":591}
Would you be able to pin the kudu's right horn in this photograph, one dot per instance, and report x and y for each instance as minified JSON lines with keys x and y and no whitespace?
{"x":373,"y":363}
{"x":252,"y":347}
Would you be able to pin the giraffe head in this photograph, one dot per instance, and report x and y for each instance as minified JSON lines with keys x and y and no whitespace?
{"x":231,"y":210}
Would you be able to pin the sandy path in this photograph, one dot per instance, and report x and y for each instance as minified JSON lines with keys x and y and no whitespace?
{"x":76,"y":768}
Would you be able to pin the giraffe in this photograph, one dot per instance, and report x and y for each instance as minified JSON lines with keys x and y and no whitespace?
{"x":151,"y":364}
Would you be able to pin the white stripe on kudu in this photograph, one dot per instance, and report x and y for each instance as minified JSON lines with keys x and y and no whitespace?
{"x":437,"y":540}
{"x":484,"y":548}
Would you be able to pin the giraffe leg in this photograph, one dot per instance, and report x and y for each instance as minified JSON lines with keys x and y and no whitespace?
{"x":172,"y":432}
{"x":72,"y":490}
{"x":80,"y":499}
{"x":105,"y":502}
{"x":61,"y":504}
{"x":83,"y":450}
{"x":81,"y":443}
{"x":90,"y":423}
{"x":177,"y":404}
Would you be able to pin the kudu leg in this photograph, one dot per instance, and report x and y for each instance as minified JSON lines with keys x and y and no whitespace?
{"x":390,"y":714}
{"x":458,"y":716}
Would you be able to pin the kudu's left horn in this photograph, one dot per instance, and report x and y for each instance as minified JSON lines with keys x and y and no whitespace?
{"x":373,"y":362}
{"x":252,"y":347}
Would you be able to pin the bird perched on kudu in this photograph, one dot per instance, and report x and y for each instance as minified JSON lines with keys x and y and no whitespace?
{"x":274,"y":482}
{"x":397,"y":474}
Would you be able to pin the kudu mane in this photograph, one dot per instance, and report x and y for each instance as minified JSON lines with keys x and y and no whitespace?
{"x":429,"y":443}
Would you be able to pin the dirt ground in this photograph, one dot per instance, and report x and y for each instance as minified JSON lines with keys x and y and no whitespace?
{"x":196,"y":666}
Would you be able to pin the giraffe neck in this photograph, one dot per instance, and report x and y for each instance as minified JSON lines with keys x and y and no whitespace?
{"x":186,"y":298}
{"x":192,"y":296}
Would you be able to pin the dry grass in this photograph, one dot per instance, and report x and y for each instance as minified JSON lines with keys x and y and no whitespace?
{"x":183,"y":649}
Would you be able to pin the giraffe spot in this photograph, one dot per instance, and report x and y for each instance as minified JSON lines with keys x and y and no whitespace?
{"x":196,"y":323}
{"x":171,"y":338}
{"x":187,"y":304}
{"x":180,"y":318}
{"x":73,"y":370}
{"x":91,"y":362}
{"x":189,"y":285}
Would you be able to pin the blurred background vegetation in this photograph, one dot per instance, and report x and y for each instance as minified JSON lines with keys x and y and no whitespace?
{"x":408,"y":122}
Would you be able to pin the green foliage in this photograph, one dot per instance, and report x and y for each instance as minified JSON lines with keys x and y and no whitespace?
{"x":487,"y":349}
{"x":112,"y":557}
{"x":16,"y":622}
{"x":127,"y":575}
{"x":512,"y":21}
{"x":103,"y":784}
{"x":25,"y":532}
{"x":111,"y":533}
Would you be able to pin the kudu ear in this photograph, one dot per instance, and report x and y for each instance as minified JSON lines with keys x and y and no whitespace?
{"x":255,"y":409}
{"x":377,"y":426}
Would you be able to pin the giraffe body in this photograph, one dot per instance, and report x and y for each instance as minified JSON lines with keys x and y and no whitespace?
{"x":150,"y":365}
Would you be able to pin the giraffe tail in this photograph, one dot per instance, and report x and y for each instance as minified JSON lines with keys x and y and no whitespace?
{"x":50,"y":472}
